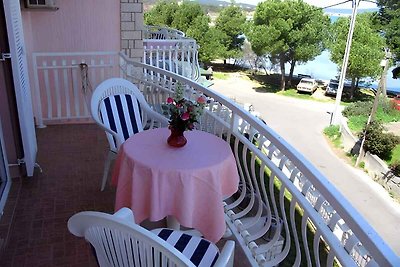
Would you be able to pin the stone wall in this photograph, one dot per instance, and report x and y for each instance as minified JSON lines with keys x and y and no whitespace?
{"x":132,"y":21}
{"x":375,"y":167}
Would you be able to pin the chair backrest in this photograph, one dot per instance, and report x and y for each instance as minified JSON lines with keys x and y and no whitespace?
{"x":117,"y":106}
{"x":120,"y":242}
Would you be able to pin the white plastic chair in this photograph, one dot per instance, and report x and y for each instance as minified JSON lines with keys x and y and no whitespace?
{"x":120,"y":109}
{"x":118,"y":241}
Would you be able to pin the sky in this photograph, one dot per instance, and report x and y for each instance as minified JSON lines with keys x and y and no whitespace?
{"x":320,"y":3}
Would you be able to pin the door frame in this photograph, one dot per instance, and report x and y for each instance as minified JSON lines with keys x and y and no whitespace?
{"x":4,"y":174}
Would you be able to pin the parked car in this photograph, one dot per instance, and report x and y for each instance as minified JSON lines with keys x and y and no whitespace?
{"x":307,"y":85}
{"x":303,"y":75}
{"x":332,"y":87}
{"x":396,"y":102}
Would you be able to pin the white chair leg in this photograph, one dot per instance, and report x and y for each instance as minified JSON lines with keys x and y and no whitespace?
{"x":110,"y":156}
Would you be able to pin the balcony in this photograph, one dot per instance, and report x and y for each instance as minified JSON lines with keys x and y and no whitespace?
{"x":285,"y":211}
{"x":169,"y":49}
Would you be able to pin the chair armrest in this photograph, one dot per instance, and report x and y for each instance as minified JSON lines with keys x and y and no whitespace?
{"x":227,"y":254}
{"x":157,"y":116}
{"x":107,"y":130}
{"x":160,"y":118}
{"x":126,"y":214}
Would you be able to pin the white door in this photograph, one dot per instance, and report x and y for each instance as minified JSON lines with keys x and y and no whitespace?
{"x":12,"y":12}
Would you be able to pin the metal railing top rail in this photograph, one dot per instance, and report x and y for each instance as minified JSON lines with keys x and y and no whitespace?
{"x":160,"y":32}
{"x":369,"y":238}
{"x":171,"y":42}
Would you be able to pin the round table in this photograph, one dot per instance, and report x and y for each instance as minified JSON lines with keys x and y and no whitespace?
{"x":156,"y":180}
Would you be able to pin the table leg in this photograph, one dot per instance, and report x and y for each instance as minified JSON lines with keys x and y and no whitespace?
{"x":173,"y":223}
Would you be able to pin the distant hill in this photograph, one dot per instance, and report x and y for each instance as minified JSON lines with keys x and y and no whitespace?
{"x":224,"y":3}
{"x":211,"y":3}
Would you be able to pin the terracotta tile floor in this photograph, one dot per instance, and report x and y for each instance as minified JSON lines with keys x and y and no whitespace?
{"x":34,"y":224}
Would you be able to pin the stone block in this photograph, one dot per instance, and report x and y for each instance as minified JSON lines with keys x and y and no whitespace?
{"x":129,"y":35}
{"x":131,"y":7}
{"x":139,"y":21}
{"x":139,"y":44}
{"x":126,"y":17}
{"x":137,"y":53}
{"x":124,"y":44}
{"x":127,"y":26}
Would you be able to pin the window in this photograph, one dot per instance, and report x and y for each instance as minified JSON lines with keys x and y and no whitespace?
{"x":42,"y":4}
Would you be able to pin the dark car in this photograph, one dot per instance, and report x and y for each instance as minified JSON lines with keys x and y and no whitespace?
{"x":332,"y":87}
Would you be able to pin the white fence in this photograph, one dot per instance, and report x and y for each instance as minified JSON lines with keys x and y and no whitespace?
{"x":285,"y":210}
{"x":59,"y":79}
{"x":176,"y":55}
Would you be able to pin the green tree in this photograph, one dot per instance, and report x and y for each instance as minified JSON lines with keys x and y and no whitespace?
{"x":291,"y":31}
{"x":162,"y":14}
{"x":187,"y":13}
{"x":230,"y":21}
{"x":367,"y":49}
{"x":209,"y":39}
{"x":389,"y":16}
{"x":191,"y":19}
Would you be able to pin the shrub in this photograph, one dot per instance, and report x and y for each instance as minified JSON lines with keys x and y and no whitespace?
{"x":357,"y":108}
{"x":395,"y":168}
{"x":362,"y":165}
{"x":379,"y":143}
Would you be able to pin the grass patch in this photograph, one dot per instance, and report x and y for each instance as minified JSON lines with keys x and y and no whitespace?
{"x":333,"y":133}
{"x":293,"y":93}
{"x":357,"y":123}
{"x":220,"y":75}
{"x":395,"y":155}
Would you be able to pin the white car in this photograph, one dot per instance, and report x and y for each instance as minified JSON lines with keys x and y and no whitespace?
{"x":307,"y":85}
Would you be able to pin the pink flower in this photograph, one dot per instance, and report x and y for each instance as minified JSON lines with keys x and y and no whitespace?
{"x":185,"y":116}
{"x":170,"y":100}
{"x":190,"y":126}
{"x":201,"y":100}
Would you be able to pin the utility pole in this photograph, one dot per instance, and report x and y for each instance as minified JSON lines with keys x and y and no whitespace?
{"x":381,"y":87}
{"x":337,"y":112}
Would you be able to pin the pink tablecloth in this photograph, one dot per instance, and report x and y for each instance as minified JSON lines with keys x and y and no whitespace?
{"x":156,"y":180}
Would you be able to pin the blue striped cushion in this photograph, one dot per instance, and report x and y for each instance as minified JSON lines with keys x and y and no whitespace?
{"x":200,"y":251}
{"x":122,"y":114}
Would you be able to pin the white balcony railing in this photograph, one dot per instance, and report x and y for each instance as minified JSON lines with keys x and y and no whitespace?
{"x":285,"y":210}
{"x":58,"y":91}
{"x":158,"y":32}
{"x":169,"y":49}
{"x":178,"y":56}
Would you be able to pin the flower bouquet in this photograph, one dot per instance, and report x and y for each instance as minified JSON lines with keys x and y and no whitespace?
{"x":183,"y":114}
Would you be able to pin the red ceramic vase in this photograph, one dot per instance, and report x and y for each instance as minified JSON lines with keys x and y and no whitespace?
{"x":176,"y":139}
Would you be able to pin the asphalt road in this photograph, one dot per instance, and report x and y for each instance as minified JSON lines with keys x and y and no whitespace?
{"x":301,"y":122}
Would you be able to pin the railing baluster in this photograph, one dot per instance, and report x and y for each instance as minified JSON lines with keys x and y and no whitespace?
{"x":66,"y":88}
{"x":57,"y":89}
{"x":48,"y":92}
{"x":75,"y":86}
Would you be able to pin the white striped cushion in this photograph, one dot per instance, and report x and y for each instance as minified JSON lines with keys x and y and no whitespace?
{"x":200,"y":251}
{"x":122,"y":114}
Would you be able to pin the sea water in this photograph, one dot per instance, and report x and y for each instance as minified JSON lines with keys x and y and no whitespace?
{"x":323,"y":68}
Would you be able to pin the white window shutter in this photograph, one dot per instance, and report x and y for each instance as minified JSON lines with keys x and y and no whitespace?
{"x":12,"y":11}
